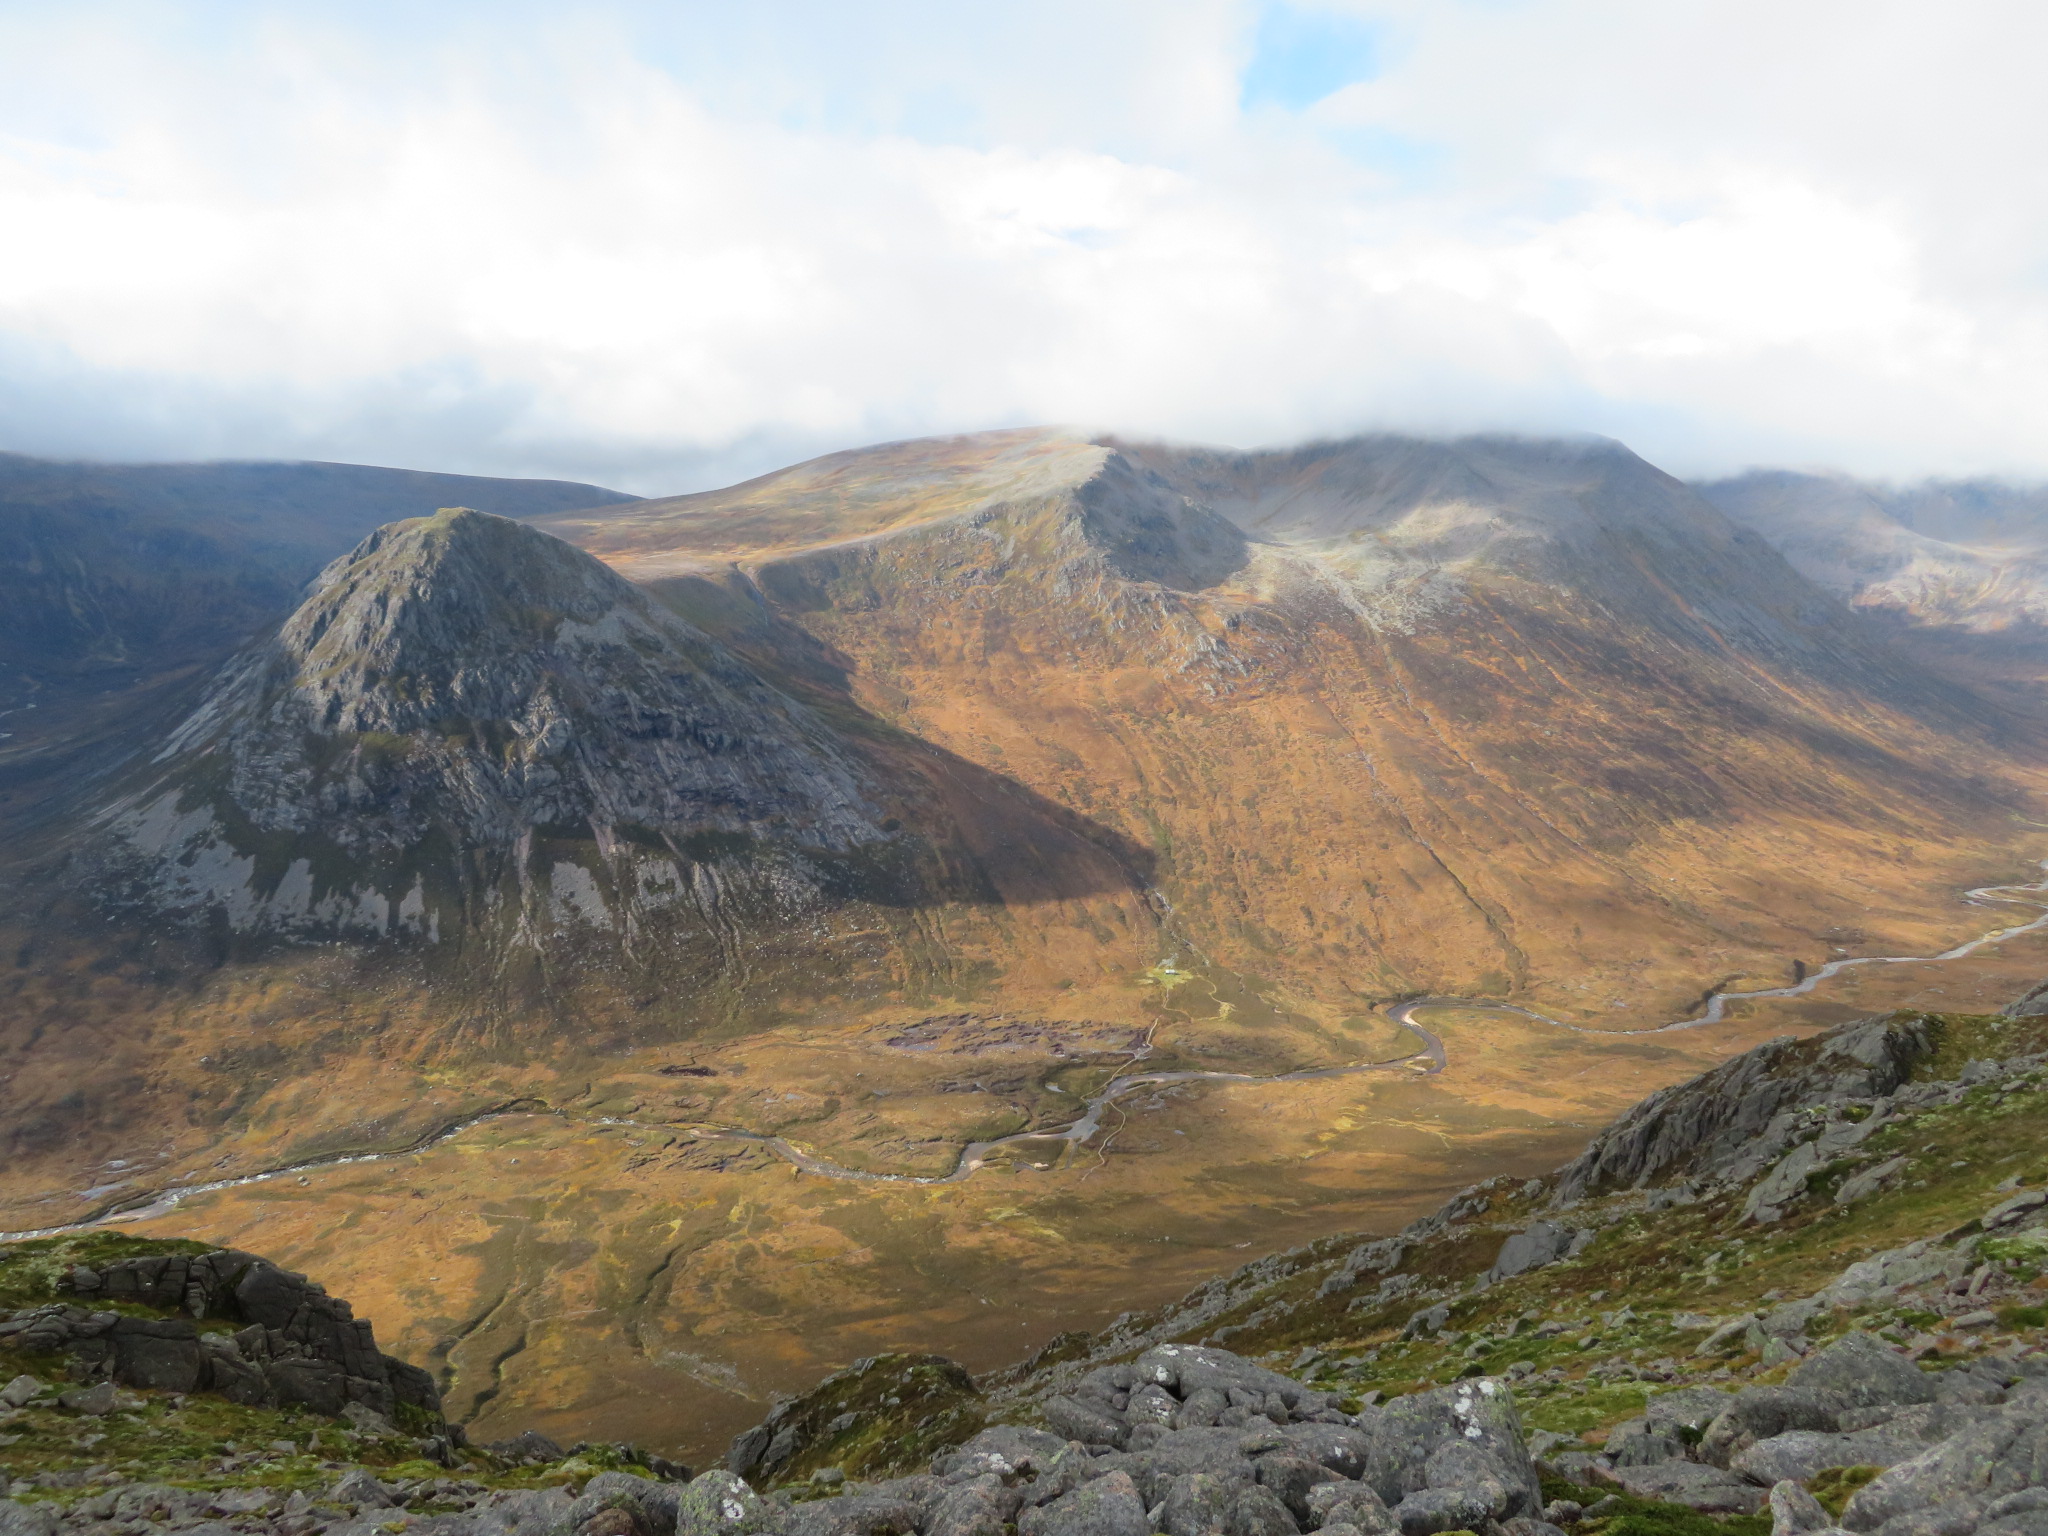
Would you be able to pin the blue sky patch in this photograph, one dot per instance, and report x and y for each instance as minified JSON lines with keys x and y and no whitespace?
{"x":1300,"y":55}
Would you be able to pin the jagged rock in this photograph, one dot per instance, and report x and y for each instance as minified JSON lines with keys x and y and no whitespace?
{"x":1340,"y":1447}
{"x":1108,"y":1506}
{"x":1204,"y":1407}
{"x":1870,"y":1180}
{"x":528,"y":1444}
{"x":652,"y":1505}
{"x":1374,"y":1258}
{"x":2008,"y":1212}
{"x":1637,"y":1443}
{"x":1220,"y":1452}
{"x":19,"y":1390}
{"x":855,"y":1514}
{"x":1348,"y":1503}
{"x":1188,"y":1368}
{"x":1801,"y":1454}
{"x":1686,"y":1408}
{"x":1785,"y":1183}
{"x":1725,"y":1120}
{"x":1858,"y":1371}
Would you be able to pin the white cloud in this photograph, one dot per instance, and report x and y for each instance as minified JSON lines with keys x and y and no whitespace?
{"x":664,"y":246}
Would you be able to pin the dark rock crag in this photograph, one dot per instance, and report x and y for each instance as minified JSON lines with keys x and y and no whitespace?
{"x":297,"y":1345}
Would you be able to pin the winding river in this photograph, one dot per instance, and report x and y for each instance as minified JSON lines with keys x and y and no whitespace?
{"x":1430,"y":1059}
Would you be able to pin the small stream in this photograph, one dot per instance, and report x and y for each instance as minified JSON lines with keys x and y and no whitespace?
{"x":974,"y":1156}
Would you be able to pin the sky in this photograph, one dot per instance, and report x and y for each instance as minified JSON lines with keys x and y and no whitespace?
{"x":665,"y":246}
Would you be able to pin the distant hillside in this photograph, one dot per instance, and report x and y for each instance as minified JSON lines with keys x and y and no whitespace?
{"x":1957,"y":568}
{"x":118,"y":581}
{"x":1474,"y":715}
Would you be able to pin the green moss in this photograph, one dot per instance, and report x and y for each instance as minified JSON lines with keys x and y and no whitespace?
{"x":1594,"y":1408}
{"x":1961,"y":1038}
{"x":1837,"y":1485}
{"x":30,"y":1271}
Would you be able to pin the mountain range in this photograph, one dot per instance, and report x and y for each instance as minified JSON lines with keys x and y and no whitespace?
{"x":813,"y":831}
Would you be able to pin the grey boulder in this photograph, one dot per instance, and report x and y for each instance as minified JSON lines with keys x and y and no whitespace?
{"x":719,"y":1503}
{"x":18,"y":1519}
{"x":973,"y":1508}
{"x":1109,"y":1506}
{"x":1479,"y":1412}
{"x":1858,"y":1371}
{"x":1758,"y":1413}
{"x":1258,"y":1512}
{"x":1707,"y":1489}
{"x":1196,"y":1504}
{"x":1431,"y":1510}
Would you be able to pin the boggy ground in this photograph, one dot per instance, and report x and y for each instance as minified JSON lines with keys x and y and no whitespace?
{"x":631,"y":1281}
{"x":1643,"y":1323}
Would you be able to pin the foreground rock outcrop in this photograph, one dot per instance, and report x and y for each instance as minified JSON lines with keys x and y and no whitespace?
{"x":298,"y":1346}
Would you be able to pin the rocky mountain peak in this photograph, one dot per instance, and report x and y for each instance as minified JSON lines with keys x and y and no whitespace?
{"x":401,"y":632}
{"x":467,"y":716}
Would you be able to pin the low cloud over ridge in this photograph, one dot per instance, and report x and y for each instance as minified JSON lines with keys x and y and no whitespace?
{"x":666,"y":246}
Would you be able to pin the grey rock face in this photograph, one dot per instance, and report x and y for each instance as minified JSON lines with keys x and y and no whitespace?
{"x":1075,"y":1420}
{"x":1686,"y":1408}
{"x":1291,"y":1477}
{"x":1973,"y":1469}
{"x":1004,"y":1449}
{"x":361,"y":1489}
{"x":1725,"y":1121}
{"x":300,"y":1346}
{"x":853,"y":1515}
{"x":1351,"y":1504}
